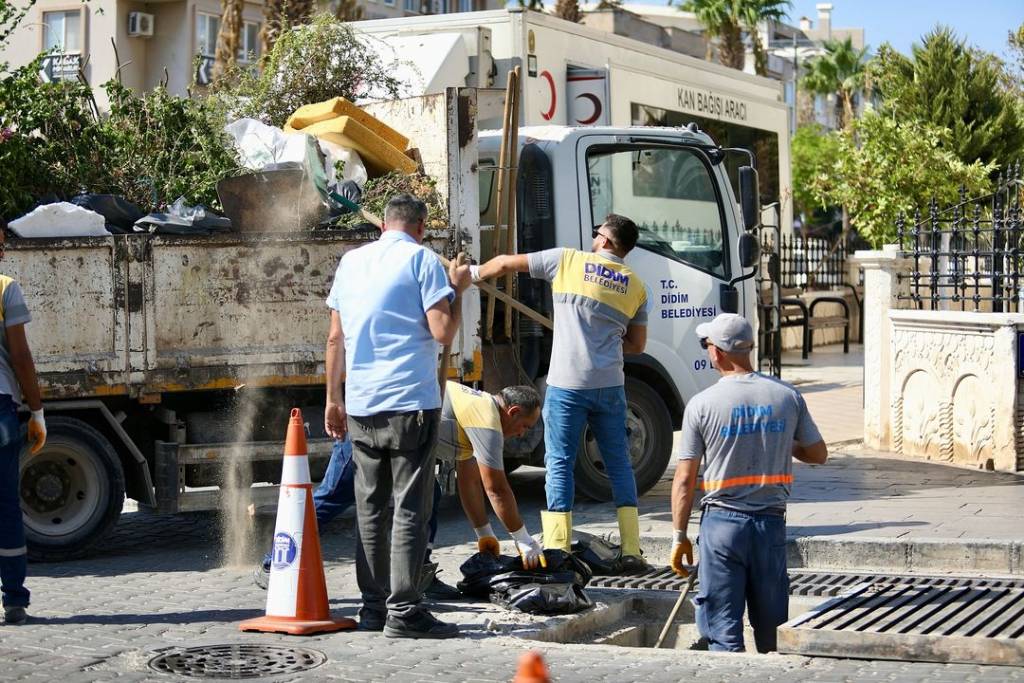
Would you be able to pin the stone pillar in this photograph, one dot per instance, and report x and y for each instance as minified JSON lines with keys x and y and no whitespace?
{"x":882,"y":286}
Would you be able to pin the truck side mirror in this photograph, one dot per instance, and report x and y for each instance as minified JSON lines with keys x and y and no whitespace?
{"x":750,"y":250}
{"x":750,"y":197}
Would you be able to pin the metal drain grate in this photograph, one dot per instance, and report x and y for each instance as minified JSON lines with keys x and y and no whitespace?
{"x":910,"y":619}
{"x":237,"y":661}
{"x":804,"y":582}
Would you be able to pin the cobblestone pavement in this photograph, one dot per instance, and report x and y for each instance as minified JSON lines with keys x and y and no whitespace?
{"x":158,"y":585}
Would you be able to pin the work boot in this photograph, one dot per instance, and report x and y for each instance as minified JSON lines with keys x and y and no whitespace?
{"x":632,"y":561}
{"x":261,"y":575}
{"x":557,"y":529}
{"x":371,"y":619}
{"x":420,"y":624}
{"x":433,"y":587}
{"x":15,"y":616}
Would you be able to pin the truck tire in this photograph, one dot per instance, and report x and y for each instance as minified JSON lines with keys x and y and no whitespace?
{"x":71,"y":491}
{"x":650,"y":444}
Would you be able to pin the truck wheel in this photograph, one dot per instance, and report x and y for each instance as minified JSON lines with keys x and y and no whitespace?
{"x":71,"y":491}
{"x":649,"y":426}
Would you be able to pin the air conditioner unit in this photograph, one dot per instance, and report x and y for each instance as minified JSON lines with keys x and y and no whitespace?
{"x":140,"y":24}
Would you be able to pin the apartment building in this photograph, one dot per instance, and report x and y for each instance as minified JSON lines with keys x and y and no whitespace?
{"x":146,"y":43}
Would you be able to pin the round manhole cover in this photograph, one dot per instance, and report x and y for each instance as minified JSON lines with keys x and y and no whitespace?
{"x":237,"y":661}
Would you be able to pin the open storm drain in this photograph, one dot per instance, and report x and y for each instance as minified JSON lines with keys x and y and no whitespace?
{"x":237,"y":661}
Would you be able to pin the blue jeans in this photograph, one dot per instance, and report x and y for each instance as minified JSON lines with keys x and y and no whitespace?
{"x":742,"y":564}
{"x":566,"y":412}
{"x":13,"y":557}
{"x":336,"y":493}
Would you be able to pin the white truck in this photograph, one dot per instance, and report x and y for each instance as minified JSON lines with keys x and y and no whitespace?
{"x":161,"y":356}
{"x":577,"y":75}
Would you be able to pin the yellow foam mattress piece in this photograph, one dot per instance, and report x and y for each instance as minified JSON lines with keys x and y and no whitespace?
{"x":309,"y":114}
{"x":378,"y":156}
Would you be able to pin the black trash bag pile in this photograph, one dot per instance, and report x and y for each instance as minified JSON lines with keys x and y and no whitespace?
{"x":118,"y":213}
{"x":557,"y":589}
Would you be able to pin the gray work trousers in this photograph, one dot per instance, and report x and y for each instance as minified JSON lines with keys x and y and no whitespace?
{"x":394,"y":456}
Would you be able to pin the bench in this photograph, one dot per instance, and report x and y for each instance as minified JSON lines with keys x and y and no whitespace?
{"x":794,"y":312}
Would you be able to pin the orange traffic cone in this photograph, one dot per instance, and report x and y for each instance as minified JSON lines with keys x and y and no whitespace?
{"x":297,"y":593}
{"x":531,"y":669}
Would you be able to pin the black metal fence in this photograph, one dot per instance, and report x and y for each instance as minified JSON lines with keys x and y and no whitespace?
{"x":811,"y":263}
{"x":968,"y":256}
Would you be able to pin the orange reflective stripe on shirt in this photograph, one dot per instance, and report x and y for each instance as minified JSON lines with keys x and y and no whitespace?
{"x":752,"y":480}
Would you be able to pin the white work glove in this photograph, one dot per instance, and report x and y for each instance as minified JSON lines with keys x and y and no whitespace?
{"x":37,"y":431}
{"x":529,"y":549}
{"x":486,"y":541}
{"x":474,"y":273}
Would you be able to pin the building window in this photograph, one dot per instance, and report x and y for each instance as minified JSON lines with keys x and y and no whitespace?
{"x":412,"y":6}
{"x":249,"y":49}
{"x":63,"y":31}
{"x":207,"y":28}
{"x":465,"y":5}
{"x":389,"y":3}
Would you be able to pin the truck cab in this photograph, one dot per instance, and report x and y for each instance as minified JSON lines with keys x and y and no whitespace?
{"x":673,"y":184}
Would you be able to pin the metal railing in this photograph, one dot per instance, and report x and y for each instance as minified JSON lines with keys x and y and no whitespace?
{"x":810,"y":263}
{"x":969,"y":255}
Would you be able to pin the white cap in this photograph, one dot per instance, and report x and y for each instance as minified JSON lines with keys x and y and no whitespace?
{"x":729,"y":332}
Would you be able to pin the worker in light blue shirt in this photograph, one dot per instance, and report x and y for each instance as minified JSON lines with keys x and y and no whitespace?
{"x":392,"y":304}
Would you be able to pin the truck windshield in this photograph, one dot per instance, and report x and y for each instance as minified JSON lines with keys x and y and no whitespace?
{"x":670,"y":194}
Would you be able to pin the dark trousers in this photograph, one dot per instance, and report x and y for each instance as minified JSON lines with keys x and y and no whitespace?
{"x":742,"y":565}
{"x":13,"y":558}
{"x":394,"y":458}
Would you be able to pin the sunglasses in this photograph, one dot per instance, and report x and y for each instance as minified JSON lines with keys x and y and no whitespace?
{"x":704,"y":343}
{"x":597,"y":231}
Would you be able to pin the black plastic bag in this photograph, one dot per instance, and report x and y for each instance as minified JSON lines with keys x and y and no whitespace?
{"x":118,"y":213}
{"x":603,"y":557}
{"x":544,"y":598}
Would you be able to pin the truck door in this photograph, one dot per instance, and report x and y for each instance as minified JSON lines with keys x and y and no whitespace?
{"x":672,"y":192}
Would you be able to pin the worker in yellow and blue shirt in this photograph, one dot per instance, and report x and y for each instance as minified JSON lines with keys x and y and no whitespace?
{"x":600,"y":312}
{"x":472,"y":432}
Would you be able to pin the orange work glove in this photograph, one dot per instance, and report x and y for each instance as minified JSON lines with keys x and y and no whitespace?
{"x":486,"y":541}
{"x":37,"y":431}
{"x":681,"y":548}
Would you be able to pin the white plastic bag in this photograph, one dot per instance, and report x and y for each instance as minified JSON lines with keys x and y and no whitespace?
{"x":353,"y":165}
{"x":260,"y":145}
{"x":62,"y":219}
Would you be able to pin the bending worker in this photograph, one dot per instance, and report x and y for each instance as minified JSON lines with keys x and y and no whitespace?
{"x":747,"y":427}
{"x":473,"y":428}
{"x":600,"y":311}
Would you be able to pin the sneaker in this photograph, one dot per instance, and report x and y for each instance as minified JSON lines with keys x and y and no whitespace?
{"x":15,"y":616}
{"x":261,"y":575}
{"x":420,"y":624}
{"x":371,"y":619}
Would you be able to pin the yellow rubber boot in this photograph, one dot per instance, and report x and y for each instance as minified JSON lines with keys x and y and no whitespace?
{"x":629,"y":531}
{"x":557,"y":528}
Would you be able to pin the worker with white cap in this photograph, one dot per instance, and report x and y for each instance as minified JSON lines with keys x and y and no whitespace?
{"x":747,"y":428}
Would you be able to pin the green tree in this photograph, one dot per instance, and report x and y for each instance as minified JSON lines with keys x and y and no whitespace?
{"x":727,"y":19}
{"x":754,"y":12}
{"x":951,"y":85}
{"x":842,"y":72}
{"x":884,"y":166}
{"x":813,"y":152}
{"x":535,"y":5}
{"x":308,"y":64}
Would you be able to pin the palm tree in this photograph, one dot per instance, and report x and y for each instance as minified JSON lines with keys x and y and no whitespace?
{"x":568,"y":10}
{"x":229,"y":37}
{"x":841,"y":71}
{"x":727,"y":19}
{"x":754,"y":12}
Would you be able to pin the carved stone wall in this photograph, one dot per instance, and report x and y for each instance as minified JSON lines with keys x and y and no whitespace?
{"x":954,"y":382}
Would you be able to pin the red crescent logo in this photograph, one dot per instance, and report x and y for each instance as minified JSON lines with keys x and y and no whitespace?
{"x":594,"y":100}
{"x":547,"y":116}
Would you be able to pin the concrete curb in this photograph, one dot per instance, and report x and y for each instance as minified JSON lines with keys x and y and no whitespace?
{"x":947,"y":556}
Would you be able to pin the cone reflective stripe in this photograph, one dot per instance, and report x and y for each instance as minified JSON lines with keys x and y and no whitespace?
{"x":297,"y":591}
